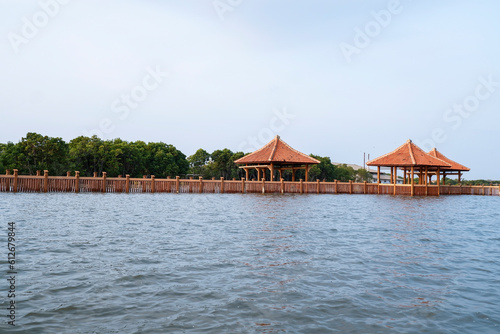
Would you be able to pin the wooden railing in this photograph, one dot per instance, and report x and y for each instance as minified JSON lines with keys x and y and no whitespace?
{"x":46,"y":183}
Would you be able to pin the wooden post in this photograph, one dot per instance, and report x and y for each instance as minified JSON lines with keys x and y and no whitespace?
{"x":127,"y":183}
{"x":395,"y":179}
{"x":104,"y":182}
{"x":38,"y":173}
{"x":242,"y":185}
{"x":45,"y":181}
{"x":201,"y":184}
{"x":68,"y":174}
{"x":438,"y":174}
{"x":153,"y":186}
{"x":15,"y":181}
{"x":301,"y":186}
{"x":77,"y":181}
{"x":177,"y":184}
{"x":378,"y":175}
{"x":95,"y":174}
{"x":293,"y":174}
{"x":263,"y":185}
{"x":350,"y":186}
{"x":246,"y":173}
{"x":317,"y":186}
{"x":258,"y":174}
{"x":7,"y":172}
{"x":459,"y":177}
{"x":365,"y":187}
{"x":426,"y":183}
{"x":222,"y":184}
{"x":307,"y":172}
{"x":271,"y":177}
{"x":336,"y":186}
{"x":404,"y":182}
{"x":412,"y":175}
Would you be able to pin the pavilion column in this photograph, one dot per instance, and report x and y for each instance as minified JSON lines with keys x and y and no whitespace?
{"x":271,"y":169}
{"x":412,"y":181}
{"x":405,"y":180}
{"x":307,"y":172}
{"x":378,"y":174}
{"x":246,"y":173}
{"x":395,"y":178}
{"x":459,"y":177}
{"x":281,"y":174}
{"x":426,"y":184}
{"x":293,"y":175}
{"x":444,"y":178}
{"x":258,"y":174}
{"x":438,"y":174}
{"x":392,"y":174}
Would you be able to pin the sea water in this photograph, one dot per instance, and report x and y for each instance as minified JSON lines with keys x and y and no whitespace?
{"x":231,"y":263}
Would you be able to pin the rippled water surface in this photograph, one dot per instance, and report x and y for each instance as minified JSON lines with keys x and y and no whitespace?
{"x":166,"y":263}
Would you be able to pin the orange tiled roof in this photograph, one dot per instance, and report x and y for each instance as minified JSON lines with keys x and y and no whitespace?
{"x":455,"y":166}
{"x":277,"y":151}
{"x":408,"y":155}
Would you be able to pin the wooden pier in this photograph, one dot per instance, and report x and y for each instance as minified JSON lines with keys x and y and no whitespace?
{"x":103,"y":184}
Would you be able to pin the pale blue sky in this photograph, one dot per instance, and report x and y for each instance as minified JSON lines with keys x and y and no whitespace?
{"x":231,"y":71}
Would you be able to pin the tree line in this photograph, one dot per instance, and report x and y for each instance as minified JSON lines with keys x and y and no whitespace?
{"x":138,"y":158}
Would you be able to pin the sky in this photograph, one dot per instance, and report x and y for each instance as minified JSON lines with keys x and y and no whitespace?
{"x":332,"y":78}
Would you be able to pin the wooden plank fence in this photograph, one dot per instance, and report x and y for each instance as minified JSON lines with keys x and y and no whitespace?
{"x":45,"y":183}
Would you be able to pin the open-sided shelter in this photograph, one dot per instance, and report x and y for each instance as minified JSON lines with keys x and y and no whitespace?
{"x":412,"y":160}
{"x":276,"y":155}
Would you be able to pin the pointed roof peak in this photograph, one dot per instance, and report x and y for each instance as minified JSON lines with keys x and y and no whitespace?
{"x":408,"y":154}
{"x":277,"y":151}
{"x":455,"y":166}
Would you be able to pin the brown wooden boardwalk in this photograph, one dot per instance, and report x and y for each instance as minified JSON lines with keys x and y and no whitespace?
{"x":45,"y":183}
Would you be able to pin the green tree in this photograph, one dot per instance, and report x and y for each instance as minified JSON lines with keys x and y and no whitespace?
{"x":345,"y":173}
{"x":84,"y":155}
{"x":9,"y":156}
{"x":325,"y":170}
{"x":36,"y":152}
{"x":165,"y":160}
{"x":132,"y":157}
{"x":222,"y":164}
{"x":198,"y":162}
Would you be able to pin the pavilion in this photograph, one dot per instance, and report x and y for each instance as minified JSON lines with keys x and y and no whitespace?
{"x":455,"y":169}
{"x":276,"y":155}
{"x":412,"y":160}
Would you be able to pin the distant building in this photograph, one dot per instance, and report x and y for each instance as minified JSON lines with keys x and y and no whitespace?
{"x":384,"y":177}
